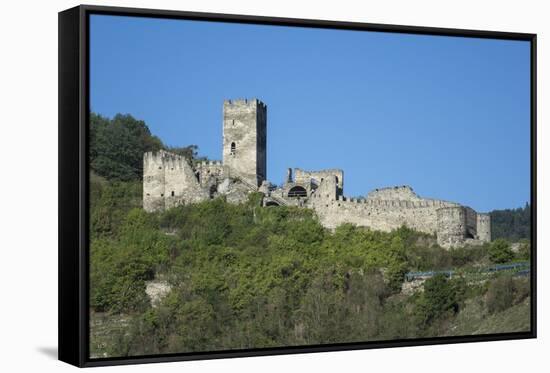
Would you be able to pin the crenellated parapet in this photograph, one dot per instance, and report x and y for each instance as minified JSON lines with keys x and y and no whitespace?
{"x":210,"y":172}
{"x":169,"y":180}
{"x":452,"y":223}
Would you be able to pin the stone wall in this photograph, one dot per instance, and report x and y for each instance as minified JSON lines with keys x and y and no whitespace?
{"x":153,"y":182}
{"x":169,"y":180}
{"x":305,"y":177}
{"x":402,"y":193}
{"x":390,"y":208}
{"x":451,"y":226}
{"x":384,"y":215}
{"x":210,"y":171}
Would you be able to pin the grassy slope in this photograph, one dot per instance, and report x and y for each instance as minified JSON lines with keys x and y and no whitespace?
{"x":474,"y":319}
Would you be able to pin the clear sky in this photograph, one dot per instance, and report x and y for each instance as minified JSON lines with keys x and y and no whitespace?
{"x":448,"y":116}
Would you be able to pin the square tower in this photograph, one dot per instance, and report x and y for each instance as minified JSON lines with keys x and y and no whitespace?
{"x":244,"y":139}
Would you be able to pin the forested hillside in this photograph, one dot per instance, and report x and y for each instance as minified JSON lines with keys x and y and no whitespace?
{"x":245,"y":276}
{"x":512,"y":224}
{"x":117,"y":146}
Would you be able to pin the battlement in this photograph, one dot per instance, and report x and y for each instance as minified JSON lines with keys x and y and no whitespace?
{"x":205,"y":164}
{"x":407,"y":204}
{"x":244,"y":139}
{"x":244,"y":102}
{"x":161,"y":155}
{"x":324,"y":170}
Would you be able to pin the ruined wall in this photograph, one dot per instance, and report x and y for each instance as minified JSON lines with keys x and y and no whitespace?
{"x":401,"y":193}
{"x":451,"y":226}
{"x":209,"y":172}
{"x":377,"y":214}
{"x":153,"y":181}
{"x":169,"y":180}
{"x":327,"y":190}
{"x":244,"y":139}
{"x":471,"y":222}
{"x":304,"y":177}
{"x":452,"y":223}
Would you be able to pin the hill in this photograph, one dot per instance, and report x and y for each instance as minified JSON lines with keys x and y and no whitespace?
{"x":246,"y":276}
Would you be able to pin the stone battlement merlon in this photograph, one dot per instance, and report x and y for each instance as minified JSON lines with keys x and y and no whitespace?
{"x":162,"y":154}
{"x":210,"y":164}
{"x":335,"y":170}
{"x":397,"y":187}
{"x":245,"y":102}
{"x":421,"y":203}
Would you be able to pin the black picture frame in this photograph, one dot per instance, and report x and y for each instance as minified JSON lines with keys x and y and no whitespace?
{"x":74,"y":107}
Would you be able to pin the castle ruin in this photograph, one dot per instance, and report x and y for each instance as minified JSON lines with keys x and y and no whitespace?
{"x":170,"y":180}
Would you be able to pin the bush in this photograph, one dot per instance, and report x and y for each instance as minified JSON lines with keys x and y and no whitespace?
{"x":500,"y":251}
{"x":500,"y":294}
{"x":441,"y":296}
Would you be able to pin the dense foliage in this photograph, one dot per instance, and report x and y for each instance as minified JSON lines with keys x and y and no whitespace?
{"x":117,"y":146}
{"x":243,"y":276}
{"x":500,"y":251}
{"x":511,"y":224}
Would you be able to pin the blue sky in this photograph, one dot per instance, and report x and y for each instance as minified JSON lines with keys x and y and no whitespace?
{"x":448,"y":116}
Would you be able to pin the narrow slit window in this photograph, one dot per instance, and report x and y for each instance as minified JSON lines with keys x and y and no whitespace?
{"x":233,"y":148}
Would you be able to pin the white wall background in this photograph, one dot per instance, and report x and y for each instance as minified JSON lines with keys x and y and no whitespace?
{"x":28,"y":184}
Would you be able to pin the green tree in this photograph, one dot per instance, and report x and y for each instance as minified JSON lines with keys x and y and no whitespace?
{"x":441,"y":296}
{"x":117,"y":146}
{"x":511,"y":224}
{"x":500,"y":251}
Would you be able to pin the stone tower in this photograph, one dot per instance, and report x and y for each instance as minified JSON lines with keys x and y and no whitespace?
{"x":244,"y":140}
{"x":484,"y":227}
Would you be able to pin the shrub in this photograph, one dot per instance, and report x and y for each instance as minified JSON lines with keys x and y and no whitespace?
{"x":500,"y":251}
{"x":500,"y":294}
{"x":441,"y":296}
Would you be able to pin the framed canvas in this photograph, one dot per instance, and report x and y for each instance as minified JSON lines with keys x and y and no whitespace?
{"x":203,"y":211}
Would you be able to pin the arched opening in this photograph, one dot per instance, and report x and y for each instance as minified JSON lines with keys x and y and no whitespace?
{"x":172,"y":193}
{"x":233,"y":148}
{"x":297,"y":191}
{"x":271,"y":203}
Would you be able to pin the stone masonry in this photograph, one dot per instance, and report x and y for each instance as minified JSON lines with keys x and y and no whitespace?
{"x":170,"y":180}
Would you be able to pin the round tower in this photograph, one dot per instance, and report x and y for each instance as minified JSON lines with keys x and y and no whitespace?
{"x":451,"y":226}
{"x":484,"y":227}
